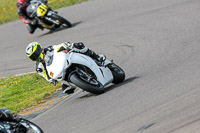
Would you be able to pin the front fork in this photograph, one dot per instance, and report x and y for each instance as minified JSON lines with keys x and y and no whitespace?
{"x":48,"y":17}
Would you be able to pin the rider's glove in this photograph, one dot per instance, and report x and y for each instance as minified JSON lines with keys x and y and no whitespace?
{"x":39,"y":70}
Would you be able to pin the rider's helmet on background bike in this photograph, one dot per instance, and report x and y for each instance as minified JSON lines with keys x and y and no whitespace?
{"x":35,"y":51}
{"x":23,"y":3}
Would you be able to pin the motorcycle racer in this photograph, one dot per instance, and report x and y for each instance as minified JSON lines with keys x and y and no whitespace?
{"x":5,"y":115}
{"x":44,"y":57}
{"x":21,"y":9}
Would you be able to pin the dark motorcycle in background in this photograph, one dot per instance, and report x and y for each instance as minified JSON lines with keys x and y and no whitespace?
{"x":46,"y":17}
{"x":23,"y":126}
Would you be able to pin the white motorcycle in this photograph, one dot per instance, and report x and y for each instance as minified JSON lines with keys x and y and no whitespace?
{"x":83,"y":71}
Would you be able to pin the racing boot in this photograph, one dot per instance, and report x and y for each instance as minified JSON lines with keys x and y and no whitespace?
{"x":31,"y":28}
{"x":98,"y":57}
{"x":68,"y":89}
{"x":79,"y":47}
{"x":40,"y":27}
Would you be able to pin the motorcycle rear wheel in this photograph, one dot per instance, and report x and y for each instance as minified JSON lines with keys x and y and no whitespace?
{"x":117,"y":72}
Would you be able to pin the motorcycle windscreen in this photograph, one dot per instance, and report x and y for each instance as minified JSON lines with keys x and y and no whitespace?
{"x":31,"y":10}
{"x":55,"y":70}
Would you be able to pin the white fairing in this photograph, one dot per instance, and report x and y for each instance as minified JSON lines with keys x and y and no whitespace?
{"x":103,"y":74}
{"x":58,"y":65}
{"x":62,"y":61}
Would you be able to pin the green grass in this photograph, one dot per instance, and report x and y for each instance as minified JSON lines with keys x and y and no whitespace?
{"x":20,"y":92}
{"x":8,"y":9}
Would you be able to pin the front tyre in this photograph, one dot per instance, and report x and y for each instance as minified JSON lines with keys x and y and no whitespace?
{"x":31,"y":127}
{"x":61,"y":20}
{"x":117,"y":72}
{"x":93,"y":86}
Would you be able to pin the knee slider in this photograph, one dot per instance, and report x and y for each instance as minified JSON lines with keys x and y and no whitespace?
{"x":79,"y":45}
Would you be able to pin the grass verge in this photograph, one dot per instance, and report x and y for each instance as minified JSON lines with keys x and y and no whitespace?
{"x":8,"y":9}
{"x":20,"y":92}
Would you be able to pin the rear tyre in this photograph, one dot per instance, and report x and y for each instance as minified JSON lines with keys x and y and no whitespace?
{"x":61,"y":20}
{"x":96,"y":87}
{"x":117,"y":72}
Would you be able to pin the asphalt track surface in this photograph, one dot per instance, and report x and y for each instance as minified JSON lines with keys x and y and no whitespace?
{"x":156,"y":42}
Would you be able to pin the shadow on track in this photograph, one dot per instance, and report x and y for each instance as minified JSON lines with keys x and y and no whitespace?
{"x":59,"y":29}
{"x":111,"y":87}
{"x":126,"y":81}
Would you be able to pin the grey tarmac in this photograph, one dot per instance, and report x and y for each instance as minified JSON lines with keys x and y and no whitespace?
{"x":156,"y":42}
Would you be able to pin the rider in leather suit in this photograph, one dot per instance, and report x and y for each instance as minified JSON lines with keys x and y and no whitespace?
{"x":5,"y":115}
{"x":44,"y":56}
{"x":29,"y":22}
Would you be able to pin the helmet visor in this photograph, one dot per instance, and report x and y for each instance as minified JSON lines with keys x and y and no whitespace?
{"x":35,"y":56}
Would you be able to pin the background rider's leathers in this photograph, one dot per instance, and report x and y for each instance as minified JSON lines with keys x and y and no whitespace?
{"x":30,"y":23}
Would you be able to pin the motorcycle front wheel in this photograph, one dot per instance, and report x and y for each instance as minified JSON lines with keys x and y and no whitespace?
{"x":87,"y":81}
{"x":31,"y":127}
{"x":61,"y":20}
